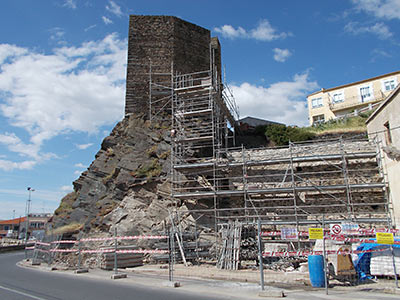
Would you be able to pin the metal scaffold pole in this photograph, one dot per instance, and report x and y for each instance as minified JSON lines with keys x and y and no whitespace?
{"x":260,"y":256}
{"x":350,"y":208}
{"x":294,"y":190}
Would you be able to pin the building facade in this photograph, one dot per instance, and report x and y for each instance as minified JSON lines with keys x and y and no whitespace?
{"x":16,"y":227}
{"x":11,"y":228}
{"x":384,"y":125}
{"x":337,"y":102}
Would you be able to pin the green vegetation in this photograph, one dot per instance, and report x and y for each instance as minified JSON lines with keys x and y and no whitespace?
{"x":152,"y":152}
{"x":149,"y":170}
{"x":66,"y":204}
{"x":352,"y":124}
{"x":114,"y":173}
{"x":70,"y":228}
{"x":280,"y":135}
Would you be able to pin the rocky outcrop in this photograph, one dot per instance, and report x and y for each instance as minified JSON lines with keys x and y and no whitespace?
{"x":126,"y":183}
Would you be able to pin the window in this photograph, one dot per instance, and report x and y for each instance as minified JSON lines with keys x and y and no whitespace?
{"x":389,"y":85}
{"x":337,"y":97}
{"x":365,"y":93}
{"x":318,"y":119}
{"x":317,"y":102}
{"x":388,"y":134}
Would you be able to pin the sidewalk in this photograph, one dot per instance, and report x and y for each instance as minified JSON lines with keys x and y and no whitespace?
{"x":226,"y":285}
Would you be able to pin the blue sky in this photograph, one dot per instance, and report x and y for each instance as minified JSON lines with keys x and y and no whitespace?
{"x":62,"y":72}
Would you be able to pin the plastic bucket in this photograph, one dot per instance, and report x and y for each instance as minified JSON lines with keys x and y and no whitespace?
{"x":316,"y":270}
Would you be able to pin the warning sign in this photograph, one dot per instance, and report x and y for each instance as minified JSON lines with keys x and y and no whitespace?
{"x":316,"y":233}
{"x":384,"y":238}
{"x":336,"y":229}
{"x":350,"y":228}
{"x":289,"y":234}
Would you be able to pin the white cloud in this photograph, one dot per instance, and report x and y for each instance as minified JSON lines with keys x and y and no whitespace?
{"x":282,"y":101}
{"x":57,"y":35}
{"x":6,"y":49}
{"x":77,"y":172}
{"x":51,"y":198}
{"x":281,"y":55}
{"x":80,"y":165}
{"x":72,"y":89}
{"x":7,"y":165}
{"x":67,"y":188}
{"x":70,"y":4}
{"x":90,"y":27}
{"x":114,"y":8}
{"x":386,"y":9}
{"x":381,"y":30}
{"x":106,"y":20}
{"x":228,"y":31}
{"x":83,"y":146}
{"x":263,"y":32}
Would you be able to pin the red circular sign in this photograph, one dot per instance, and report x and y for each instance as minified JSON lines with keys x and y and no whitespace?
{"x":336,"y":229}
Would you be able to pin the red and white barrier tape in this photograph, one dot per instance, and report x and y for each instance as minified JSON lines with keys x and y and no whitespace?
{"x":64,"y":250}
{"x":143,"y":237}
{"x":354,"y":240}
{"x":144,"y":251}
{"x":309,"y":252}
{"x":29,"y":248}
{"x":42,"y":244}
{"x":64,"y":242}
{"x":99,"y":251}
{"x":133,"y":237}
{"x":97,"y":239}
{"x":360,"y":231}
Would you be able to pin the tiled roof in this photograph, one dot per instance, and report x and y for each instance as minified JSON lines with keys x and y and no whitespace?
{"x":13,"y":221}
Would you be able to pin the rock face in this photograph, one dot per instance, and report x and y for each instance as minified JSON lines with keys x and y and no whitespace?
{"x":126,"y":184}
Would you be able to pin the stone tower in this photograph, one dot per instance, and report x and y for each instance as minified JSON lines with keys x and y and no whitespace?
{"x":158,"y":45}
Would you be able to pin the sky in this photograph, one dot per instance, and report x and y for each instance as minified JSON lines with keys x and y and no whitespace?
{"x":63,"y":69}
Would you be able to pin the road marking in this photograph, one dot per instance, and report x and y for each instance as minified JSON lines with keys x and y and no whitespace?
{"x":21,"y":293}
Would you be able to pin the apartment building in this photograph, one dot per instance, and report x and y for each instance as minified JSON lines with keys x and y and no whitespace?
{"x":339,"y":101}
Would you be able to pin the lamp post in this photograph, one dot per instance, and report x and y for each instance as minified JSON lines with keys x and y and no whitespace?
{"x":28,"y":204}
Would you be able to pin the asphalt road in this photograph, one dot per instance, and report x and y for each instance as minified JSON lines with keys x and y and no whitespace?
{"x":18,"y":283}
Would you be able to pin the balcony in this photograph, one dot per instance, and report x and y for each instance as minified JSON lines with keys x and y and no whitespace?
{"x":355,"y":102}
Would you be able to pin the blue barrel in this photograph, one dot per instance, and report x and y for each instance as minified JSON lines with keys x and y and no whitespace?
{"x":316,"y":270}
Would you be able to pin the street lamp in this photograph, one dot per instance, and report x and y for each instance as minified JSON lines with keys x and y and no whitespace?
{"x":28,"y":205}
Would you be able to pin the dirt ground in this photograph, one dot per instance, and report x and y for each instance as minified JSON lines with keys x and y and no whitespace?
{"x":287,"y":280}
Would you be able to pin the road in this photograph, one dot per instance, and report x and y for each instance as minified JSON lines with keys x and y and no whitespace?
{"x":21,"y":283}
{"x":17,"y":283}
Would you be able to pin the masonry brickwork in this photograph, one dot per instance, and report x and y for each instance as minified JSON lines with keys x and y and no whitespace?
{"x":164,"y":42}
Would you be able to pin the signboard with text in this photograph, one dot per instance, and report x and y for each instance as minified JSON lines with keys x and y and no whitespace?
{"x":289,"y":233}
{"x":316,"y":233}
{"x":385,"y":238}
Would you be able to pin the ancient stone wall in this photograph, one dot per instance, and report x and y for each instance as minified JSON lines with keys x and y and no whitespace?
{"x":163,"y":41}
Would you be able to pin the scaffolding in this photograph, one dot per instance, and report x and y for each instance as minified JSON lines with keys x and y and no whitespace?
{"x":299,"y":185}
{"x":151,"y":87}
{"x":293,"y":185}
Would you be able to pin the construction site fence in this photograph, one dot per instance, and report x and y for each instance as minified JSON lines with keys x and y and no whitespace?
{"x":349,"y":258}
{"x":118,"y":245}
{"x":342,"y":265}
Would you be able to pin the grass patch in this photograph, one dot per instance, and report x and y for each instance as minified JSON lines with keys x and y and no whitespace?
{"x":280,"y":135}
{"x":65,"y":206}
{"x":70,"y":228}
{"x":353,"y":124}
{"x":114,"y":173}
{"x":152,"y":152}
{"x":149,"y":170}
